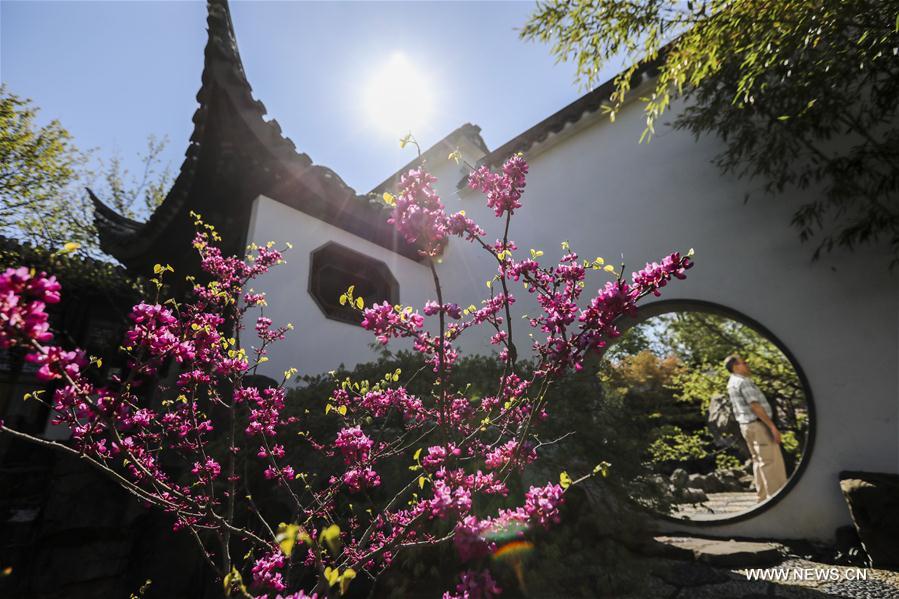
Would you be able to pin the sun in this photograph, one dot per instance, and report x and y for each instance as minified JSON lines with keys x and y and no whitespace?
{"x":397,"y":97}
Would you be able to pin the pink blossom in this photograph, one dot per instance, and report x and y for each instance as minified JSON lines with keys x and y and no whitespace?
{"x":503,"y":190}
{"x":475,"y":585}
{"x":353,"y":444}
{"x":468,"y":539}
{"x":358,"y":479}
{"x":542,"y":504}
{"x":265,"y":570}
{"x":510,"y":453}
{"x":210,"y":468}
{"x":437,"y":455}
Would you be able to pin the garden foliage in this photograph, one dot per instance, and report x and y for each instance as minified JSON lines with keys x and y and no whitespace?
{"x":802,"y":94}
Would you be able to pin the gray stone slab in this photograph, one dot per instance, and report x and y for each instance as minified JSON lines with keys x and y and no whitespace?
{"x":722,"y":553}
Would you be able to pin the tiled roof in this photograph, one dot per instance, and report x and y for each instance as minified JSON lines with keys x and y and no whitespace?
{"x":312,"y":188}
{"x":587,"y":104}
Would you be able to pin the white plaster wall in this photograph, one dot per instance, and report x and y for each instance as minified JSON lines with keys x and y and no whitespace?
{"x":608,"y":194}
{"x":317,"y":344}
{"x":598,"y":188}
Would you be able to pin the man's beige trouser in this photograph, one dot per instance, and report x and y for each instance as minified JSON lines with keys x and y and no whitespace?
{"x":767,"y":461}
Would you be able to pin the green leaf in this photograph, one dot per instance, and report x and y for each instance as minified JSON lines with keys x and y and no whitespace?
{"x":233,"y":582}
{"x":287,"y":537}
{"x":332,"y":575}
{"x":602,"y":468}
{"x":564,"y":480}
{"x":331,"y":536}
{"x":348,"y":575}
{"x":360,"y":303}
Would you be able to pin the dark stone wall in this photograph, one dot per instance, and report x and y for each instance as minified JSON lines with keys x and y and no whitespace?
{"x":68,"y":532}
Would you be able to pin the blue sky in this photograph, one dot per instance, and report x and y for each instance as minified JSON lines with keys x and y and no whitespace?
{"x":115,"y":72}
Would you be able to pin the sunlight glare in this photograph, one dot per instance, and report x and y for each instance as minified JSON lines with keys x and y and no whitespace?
{"x":397,"y":98}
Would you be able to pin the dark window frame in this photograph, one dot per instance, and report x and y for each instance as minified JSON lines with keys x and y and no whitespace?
{"x":329,"y":256}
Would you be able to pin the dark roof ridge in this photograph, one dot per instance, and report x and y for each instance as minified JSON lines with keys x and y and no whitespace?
{"x":590,"y":102}
{"x":223,"y":75}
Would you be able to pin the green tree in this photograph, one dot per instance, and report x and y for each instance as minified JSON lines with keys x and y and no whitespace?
{"x":777,"y":81}
{"x":668,"y":367}
{"x":676,"y":379}
{"x":43,"y":176}
{"x":37,"y":165}
{"x":136,"y":196}
{"x":703,"y":340}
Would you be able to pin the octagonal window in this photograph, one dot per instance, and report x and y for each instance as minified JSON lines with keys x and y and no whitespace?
{"x":335,"y":267}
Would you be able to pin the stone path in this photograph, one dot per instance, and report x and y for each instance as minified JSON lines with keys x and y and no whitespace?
{"x":719,"y":505}
{"x":694,"y":568}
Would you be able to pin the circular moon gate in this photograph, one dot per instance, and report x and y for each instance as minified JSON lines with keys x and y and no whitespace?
{"x":667,"y":371}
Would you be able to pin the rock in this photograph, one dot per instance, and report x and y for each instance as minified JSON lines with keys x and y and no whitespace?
{"x":658,"y":481}
{"x":747,"y":481}
{"x":873,"y":500}
{"x":707,"y":482}
{"x":730,"y":481}
{"x":720,"y":552}
{"x":679,"y":478}
{"x":848,"y":547}
{"x":689,"y":495}
{"x":679,"y":574}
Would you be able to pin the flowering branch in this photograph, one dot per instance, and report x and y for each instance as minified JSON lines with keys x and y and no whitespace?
{"x":188,"y":447}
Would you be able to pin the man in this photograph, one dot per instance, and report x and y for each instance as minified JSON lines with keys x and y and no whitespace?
{"x":753,"y":413}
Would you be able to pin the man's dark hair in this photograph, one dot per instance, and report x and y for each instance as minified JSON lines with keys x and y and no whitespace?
{"x":729,"y":362}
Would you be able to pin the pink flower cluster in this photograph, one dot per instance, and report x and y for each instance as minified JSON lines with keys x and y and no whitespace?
{"x":386,"y":322}
{"x":353,"y":444}
{"x":475,"y":585}
{"x":356,"y":449}
{"x":24,"y":296}
{"x":509,"y":453}
{"x":452,"y":310}
{"x":265,"y":415}
{"x":541,"y":504}
{"x":503,"y":190}
{"x":421,"y":219}
{"x":437,"y":456}
{"x":265,"y":570}
{"x":654,"y":275}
